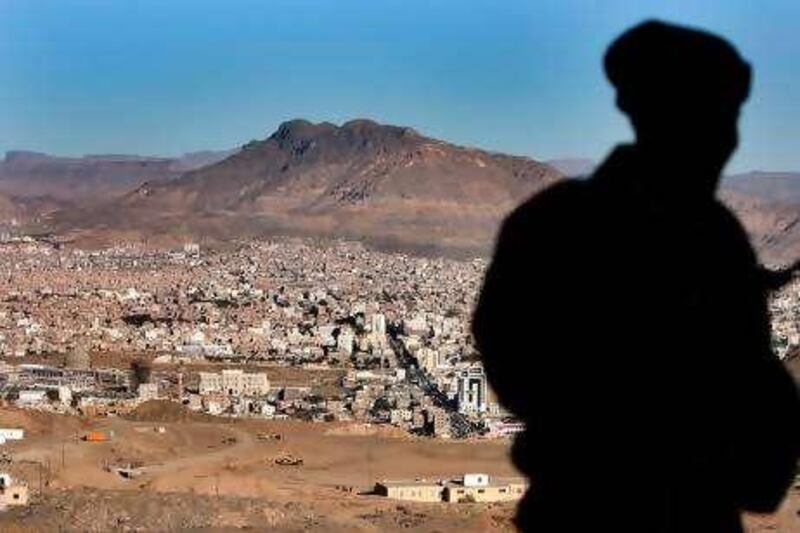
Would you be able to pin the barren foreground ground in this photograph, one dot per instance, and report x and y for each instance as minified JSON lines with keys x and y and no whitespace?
{"x":220,"y":475}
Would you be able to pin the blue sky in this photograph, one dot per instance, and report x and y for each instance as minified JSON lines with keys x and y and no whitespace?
{"x":525,"y":77}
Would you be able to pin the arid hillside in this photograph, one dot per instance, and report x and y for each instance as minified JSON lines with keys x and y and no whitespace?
{"x":388,"y":185}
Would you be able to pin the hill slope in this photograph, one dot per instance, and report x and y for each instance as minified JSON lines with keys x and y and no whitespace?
{"x":774,"y":227}
{"x":386,"y":184}
{"x":32,"y":175}
{"x":781,"y":187}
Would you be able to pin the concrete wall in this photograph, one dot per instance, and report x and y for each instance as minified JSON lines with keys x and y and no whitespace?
{"x":415,"y":492}
{"x":491,"y":493}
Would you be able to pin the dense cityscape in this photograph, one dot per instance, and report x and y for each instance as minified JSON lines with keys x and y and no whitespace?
{"x":243,"y":245}
{"x":371,"y":337}
{"x":392,"y":328}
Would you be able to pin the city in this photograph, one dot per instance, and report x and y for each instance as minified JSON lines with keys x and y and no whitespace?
{"x":393,"y":329}
{"x":328,"y":334}
{"x":367,"y":336}
{"x":383,"y":266}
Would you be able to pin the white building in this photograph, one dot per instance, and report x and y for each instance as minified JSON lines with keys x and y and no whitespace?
{"x":429,"y":359}
{"x":416,"y":326}
{"x":7,"y":434}
{"x":31,"y":398}
{"x":234,"y":382}
{"x":11,"y":492}
{"x":148,"y":391}
{"x":191,"y":248}
{"x":378,"y":330}
{"x":64,"y":395}
{"x":345,"y":341}
{"x":378,"y":324}
{"x":476,"y":480}
{"x":325,"y":335}
{"x":267,"y":410}
{"x":472,"y":390}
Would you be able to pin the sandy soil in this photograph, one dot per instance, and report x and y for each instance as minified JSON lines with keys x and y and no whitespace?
{"x":220,"y":476}
{"x":226,"y":462}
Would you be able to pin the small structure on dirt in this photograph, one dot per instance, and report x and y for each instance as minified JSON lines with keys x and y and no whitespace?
{"x":287,"y":459}
{"x":470,"y":488}
{"x":98,"y":436}
{"x":478,"y":488}
{"x":12,"y":493}
{"x":417,"y":490}
{"x":129,"y":472}
{"x":7,"y":434}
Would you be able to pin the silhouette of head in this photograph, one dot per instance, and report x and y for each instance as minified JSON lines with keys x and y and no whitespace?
{"x":682,"y":90}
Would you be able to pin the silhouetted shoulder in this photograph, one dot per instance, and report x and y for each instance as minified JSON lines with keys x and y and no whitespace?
{"x":733,"y":248}
{"x":519,"y":285}
{"x":624,"y":317}
{"x":730,"y":223}
{"x":563,"y":199}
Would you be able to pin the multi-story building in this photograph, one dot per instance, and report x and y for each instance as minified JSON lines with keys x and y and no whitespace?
{"x":234,"y":382}
{"x":429,"y":359}
{"x":148,"y":391}
{"x":440,"y":421}
{"x":472,"y":391}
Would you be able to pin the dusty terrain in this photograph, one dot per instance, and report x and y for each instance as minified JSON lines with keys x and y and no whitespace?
{"x":222,"y":475}
{"x":388,"y":186}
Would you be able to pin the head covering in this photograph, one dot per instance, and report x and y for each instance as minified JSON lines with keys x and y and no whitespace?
{"x":660,"y":65}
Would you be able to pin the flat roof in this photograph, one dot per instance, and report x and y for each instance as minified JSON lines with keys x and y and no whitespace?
{"x":410,"y":482}
{"x":493,"y":482}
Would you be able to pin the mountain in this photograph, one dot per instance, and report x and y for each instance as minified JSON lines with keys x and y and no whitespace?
{"x":203,"y":158}
{"x":573,"y":167}
{"x":387,"y":184}
{"x":768,"y":204}
{"x":8,"y":210}
{"x":18,"y":211}
{"x":781,"y":187}
{"x":28,"y":175}
{"x":774,"y":227}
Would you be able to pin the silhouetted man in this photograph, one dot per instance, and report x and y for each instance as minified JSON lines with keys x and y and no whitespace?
{"x":624,"y":317}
